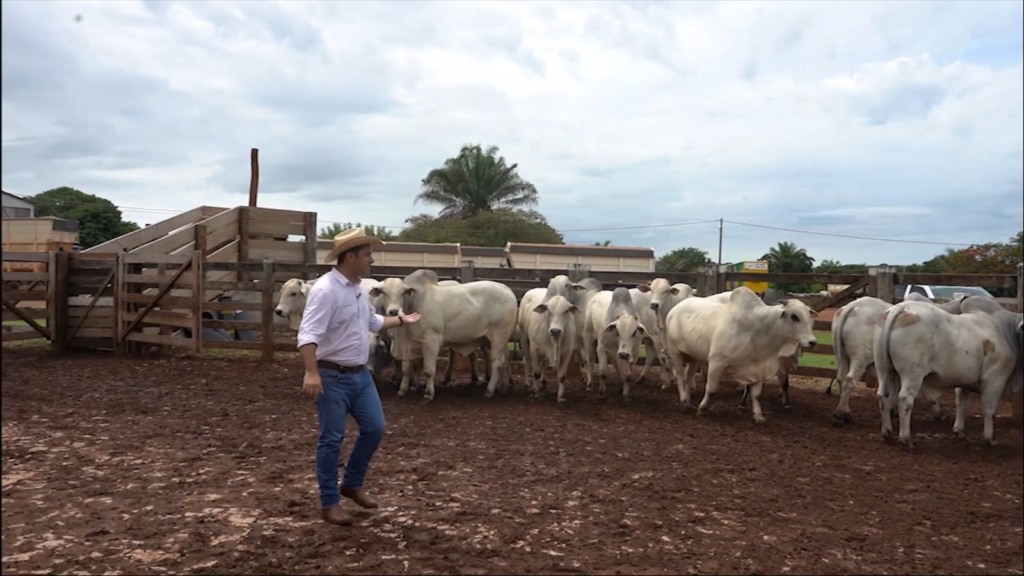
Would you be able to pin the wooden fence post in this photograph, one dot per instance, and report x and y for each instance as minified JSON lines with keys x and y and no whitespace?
{"x":243,"y":241}
{"x":198,"y":294}
{"x":884,"y":280}
{"x":311,"y":239}
{"x":118,"y":302}
{"x":466,"y":271}
{"x":707,"y":284}
{"x":267,"y":309}
{"x":58,"y":293}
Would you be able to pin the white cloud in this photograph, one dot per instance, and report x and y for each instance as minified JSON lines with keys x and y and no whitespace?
{"x":869,"y":119}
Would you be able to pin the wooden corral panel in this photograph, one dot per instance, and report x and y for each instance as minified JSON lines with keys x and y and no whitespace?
{"x":26,"y":295}
{"x":599,"y":258}
{"x":147,"y":317}
{"x":414,"y":254}
{"x":143,"y":236}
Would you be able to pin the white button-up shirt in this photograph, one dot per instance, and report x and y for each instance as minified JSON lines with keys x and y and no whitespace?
{"x":338,"y":318}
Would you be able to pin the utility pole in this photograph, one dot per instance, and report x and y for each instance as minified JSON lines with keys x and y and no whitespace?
{"x":721,"y":224}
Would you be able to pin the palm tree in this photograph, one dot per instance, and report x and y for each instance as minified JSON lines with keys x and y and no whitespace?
{"x":786,"y":257}
{"x":476,"y":181}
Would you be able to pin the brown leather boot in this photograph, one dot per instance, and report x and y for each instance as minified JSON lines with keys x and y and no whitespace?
{"x":359,"y":497}
{"x":335,"y":515}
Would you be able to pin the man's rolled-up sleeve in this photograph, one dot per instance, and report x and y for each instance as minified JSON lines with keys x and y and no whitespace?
{"x":314,"y":319}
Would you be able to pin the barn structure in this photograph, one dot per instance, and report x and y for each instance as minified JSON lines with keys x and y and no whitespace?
{"x":565,"y":256}
{"x":17,"y":207}
{"x":42,"y":235}
{"x":412,"y":254}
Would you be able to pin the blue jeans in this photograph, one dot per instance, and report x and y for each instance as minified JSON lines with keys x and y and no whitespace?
{"x":344,"y":394}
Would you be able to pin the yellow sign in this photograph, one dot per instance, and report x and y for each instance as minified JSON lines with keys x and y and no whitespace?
{"x":753,"y":267}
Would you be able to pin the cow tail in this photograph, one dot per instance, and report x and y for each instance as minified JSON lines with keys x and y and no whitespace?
{"x":883,"y":361}
{"x":842,"y":358}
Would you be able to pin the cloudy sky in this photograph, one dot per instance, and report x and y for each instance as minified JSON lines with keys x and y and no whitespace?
{"x":634,"y":120}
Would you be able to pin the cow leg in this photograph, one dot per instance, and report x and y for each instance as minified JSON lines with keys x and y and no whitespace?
{"x":934,"y":395}
{"x":990,"y":393}
{"x":886,"y":393}
{"x":563,"y":368}
{"x":784,"y":389}
{"x":710,"y":386}
{"x":909,"y":389}
{"x":625,"y":370}
{"x":755,"y":402}
{"x":588,"y":352}
{"x":846,"y":383}
{"x":963,"y":401}
{"x":536,"y":372}
{"x":602,"y":367}
{"x":524,"y":345}
{"x":431,"y":347}
{"x":498,"y":354}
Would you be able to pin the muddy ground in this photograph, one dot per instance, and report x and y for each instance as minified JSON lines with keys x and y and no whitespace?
{"x":205,"y":465}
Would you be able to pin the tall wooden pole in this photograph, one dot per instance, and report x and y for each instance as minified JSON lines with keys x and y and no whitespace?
{"x":254,"y":179}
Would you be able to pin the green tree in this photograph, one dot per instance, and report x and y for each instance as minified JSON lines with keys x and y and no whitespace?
{"x":484,"y":229}
{"x":476,"y":181}
{"x":329,"y":232}
{"x":683,"y":260}
{"x":98,"y":219}
{"x":787,"y":257}
{"x":603,"y":244}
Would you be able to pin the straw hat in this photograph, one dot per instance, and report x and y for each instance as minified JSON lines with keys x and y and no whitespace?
{"x":350,"y":239}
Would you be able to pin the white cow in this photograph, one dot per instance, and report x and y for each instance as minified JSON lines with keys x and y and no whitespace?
{"x":641,"y":296}
{"x":744,"y":339}
{"x":291,"y":304}
{"x":664,"y":297}
{"x":464,"y":317}
{"x":550,"y":334}
{"x":559,"y":285}
{"x":612,"y":325}
{"x":920,"y":345}
{"x":853,"y":339}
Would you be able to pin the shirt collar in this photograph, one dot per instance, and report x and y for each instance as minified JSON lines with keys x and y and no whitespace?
{"x":339,"y":277}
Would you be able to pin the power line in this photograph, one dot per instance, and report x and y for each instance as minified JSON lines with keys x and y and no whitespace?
{"x":847,"y":235}
{"x":640,"y":227}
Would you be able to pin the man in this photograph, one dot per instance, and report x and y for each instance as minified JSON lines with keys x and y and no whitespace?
{"x":334,"y":343}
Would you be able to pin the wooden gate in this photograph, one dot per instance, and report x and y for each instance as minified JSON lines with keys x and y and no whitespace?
{"x":27,"y":298}
{"x":172,"y":282}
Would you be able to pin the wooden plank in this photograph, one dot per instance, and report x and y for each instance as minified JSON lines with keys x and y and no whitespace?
{"x":163,"y":290}
{"x":232,"y":306}
{"x":28,"y":320}
{"x":34,"y":313}
{"x":310,"y":242}
{"x":33,"y":295}
{"x":277,"y":250}
{"x":160,"y":318}
{"x":276,"y":215}
{"x":232,"y":324}
{"x":25,"y":256}
{"x":258,"y":226}
{"x":197,"y":291}
{"x":792,"y":278}
{"x":152,"y":260}
{"x":221,"y":228}
{"x":148,"y":234}
{"x":161,"y":339}
{"x":172,"y":301}
{"x":26,"y":276}
{"x":17,"y":336}
{"x":94,"y":332}
{"x":226,"y":286}
{"x":95,"y":298}
{"x":154,"y":280}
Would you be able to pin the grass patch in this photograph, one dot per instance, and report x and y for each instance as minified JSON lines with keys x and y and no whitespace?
{"x":818,"y":360}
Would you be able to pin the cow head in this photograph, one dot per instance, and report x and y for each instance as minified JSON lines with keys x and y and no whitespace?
{"x":629,"y":332}
{"x":664,"y":295}
{"x":291,"y":302}
{"x":560,"y":315}
{"x":390,"y":296}
{"x":798,"y":319}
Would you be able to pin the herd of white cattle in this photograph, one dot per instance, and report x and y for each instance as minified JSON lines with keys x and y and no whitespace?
{"x":969,"y":344}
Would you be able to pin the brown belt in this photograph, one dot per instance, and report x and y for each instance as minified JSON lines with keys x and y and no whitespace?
{"x":335,"y":366}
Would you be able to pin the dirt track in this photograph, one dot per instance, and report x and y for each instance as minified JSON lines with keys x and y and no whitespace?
{"x":156,"y":465}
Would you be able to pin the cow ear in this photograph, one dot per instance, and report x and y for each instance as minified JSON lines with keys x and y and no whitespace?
{"x":376,"y":291}
{"x":574,"y":308}
{"x":645,"y":287}
{"x":540,"y":308}
{"x":674,"y":291}
{"x":577,"y":287}
{"x":610,"y":327}
{"x":783,"y":313}
{"x":410,"y":291}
